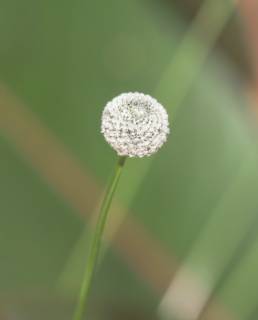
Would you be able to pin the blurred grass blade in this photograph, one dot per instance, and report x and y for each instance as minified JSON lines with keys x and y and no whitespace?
{"x":240,"y":290}
{"x":175,"y":84}
{"x":213,"y":250}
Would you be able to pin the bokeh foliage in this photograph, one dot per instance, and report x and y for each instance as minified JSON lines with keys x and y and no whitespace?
{"x":197,"y":196}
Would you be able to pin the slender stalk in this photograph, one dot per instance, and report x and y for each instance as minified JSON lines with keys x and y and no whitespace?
{"x":96,"y":241}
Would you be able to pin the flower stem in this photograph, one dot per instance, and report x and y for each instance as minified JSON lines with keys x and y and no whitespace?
{"x":96,"y":241}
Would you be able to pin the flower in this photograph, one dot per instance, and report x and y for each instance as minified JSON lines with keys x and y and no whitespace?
{"x":135,"y":124}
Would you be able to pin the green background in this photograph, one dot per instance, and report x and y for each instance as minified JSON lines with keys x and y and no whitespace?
{"x":196,"y":198}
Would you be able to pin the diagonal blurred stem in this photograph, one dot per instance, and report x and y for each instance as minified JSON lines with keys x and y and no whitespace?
{"x":183,"y":69}
{"x":96,"y":241}
{"x":185,"y":66}
{"x":239,"y":254}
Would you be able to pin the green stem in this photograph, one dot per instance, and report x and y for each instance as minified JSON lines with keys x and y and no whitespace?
{"x":96,"y":241}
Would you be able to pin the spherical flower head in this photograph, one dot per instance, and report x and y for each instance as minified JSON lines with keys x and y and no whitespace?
{"x":135,"y":124}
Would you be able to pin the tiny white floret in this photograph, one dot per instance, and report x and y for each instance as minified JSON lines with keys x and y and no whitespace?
{"x":135,"y":124}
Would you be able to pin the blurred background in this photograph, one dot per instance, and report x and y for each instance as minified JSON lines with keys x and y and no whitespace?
{"x":182,"y":238}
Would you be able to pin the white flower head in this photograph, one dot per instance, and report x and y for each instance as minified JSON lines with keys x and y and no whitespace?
{"x":135,"y":124}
